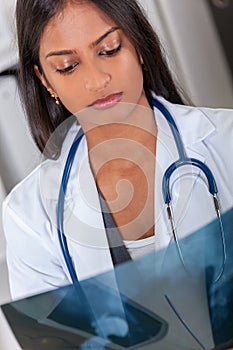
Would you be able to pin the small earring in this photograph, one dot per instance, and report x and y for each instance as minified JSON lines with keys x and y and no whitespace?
{"x":56,"y":99}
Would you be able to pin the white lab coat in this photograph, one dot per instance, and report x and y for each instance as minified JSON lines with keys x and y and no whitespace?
{"x":34,"y":256}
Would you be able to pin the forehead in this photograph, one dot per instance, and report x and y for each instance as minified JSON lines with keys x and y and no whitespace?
{"x":78,"y":23}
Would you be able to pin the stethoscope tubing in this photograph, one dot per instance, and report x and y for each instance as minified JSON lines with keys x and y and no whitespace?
{"x":183,"y":160}
{"x":60,"y":206}
{"x":188,"y":161}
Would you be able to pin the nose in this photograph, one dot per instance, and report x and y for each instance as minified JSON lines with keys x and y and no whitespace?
{"x":96,"y":79}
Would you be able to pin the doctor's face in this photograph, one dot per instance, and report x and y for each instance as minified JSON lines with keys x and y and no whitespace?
{"x":87,"y":61}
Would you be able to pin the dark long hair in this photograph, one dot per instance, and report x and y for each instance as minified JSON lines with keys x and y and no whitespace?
{"x":32,"y":16}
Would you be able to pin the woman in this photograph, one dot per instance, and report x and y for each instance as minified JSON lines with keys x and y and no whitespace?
{"x":102,"y":62}
{"x":51,"y":93}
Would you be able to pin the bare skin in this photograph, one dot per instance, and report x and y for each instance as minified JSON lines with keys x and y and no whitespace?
{"x":125,"y":181}
{"x":94,"y":70}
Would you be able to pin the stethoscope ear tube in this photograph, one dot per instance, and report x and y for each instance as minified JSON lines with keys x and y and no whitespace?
{"x":60,"y":206}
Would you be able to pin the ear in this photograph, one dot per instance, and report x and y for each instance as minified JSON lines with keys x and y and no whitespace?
{"x":141,"y":59}
{"x":43,"y":79}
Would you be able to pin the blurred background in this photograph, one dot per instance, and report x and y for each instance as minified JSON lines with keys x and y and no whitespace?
{"x":197,"y":37}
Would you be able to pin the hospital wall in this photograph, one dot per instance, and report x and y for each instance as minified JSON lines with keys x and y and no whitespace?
{"x":194,"y":49}
{"x":195,"y":55}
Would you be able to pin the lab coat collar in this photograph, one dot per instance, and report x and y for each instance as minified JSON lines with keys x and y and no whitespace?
{"x":188,"y":119}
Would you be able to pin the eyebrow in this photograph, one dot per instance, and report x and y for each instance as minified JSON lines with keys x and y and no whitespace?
{"x":102,"y":37}
{"x":70,"y":52}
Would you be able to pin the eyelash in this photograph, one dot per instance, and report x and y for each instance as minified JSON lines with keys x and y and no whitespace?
{"x":72,"y":67}
{"x":67,"y":70}
{"x":111,"y":52}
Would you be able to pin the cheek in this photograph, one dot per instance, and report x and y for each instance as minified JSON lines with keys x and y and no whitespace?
{"x":72,"y":95}
{"x":69,"y":89}
{"x":74,"y":104}
{"x":133,"y":75}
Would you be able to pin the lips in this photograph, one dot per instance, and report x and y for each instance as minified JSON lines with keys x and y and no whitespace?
{"x":107,"y":102}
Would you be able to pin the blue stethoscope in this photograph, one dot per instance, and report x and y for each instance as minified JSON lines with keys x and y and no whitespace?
{"x":182,"y":160}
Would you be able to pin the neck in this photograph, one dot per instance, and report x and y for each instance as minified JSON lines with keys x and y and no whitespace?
{"x":121,"y":145}
{"x":125,"y":132}
{"x":139,"y":126}
{"x":122,"y":157}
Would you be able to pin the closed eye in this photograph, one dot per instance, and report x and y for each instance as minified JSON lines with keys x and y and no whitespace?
{"x":110,"y":52}
{"x":68,"y":69}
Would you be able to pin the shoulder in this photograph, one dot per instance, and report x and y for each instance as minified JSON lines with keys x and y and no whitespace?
{"x":220,"y":117}
{"x":197,"y":123}
{"x":24,"y":205}
{"x":215,"y":114}
{"x":33,"y":197}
